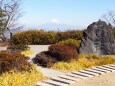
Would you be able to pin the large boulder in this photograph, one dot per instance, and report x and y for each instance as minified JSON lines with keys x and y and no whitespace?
{"x":98,"y":39}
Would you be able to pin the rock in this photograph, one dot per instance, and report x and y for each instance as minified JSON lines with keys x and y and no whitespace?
{"x":98,"y":39}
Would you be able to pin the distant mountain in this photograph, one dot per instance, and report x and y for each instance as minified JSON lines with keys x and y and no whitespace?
{"x":56,"y":27}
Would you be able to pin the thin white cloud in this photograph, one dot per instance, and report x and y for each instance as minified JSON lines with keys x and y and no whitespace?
{"x":55,"y":21}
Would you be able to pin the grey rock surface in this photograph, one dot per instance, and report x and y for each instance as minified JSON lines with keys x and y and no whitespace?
{"x":98,"y":39}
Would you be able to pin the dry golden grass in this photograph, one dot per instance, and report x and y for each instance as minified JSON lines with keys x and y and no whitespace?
{"x":83,"y":62}
{"x":20,"y":79}
{"x":27,"y":52}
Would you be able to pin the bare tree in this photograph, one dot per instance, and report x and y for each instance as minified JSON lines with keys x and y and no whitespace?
{"x":10,"y":13}
{"x":110,"y":17}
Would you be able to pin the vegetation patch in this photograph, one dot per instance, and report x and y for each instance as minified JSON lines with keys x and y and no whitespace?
{"x":63,"y":52}
{"x":35,"y":37}
{"x":20,"y":79}
{"x":13,"y":61}
{"x":27,"y":52}
{"x":55,"y":53}
{"x":44,"y":59}
{"x":17,"y":71}
{"x":20,"y":47}
{"x":72,"y":43}
{"x":83,"y":62}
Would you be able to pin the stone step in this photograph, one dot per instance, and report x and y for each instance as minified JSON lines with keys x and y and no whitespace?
{"x":102,"y":70}
{"x":95,"y":71}
{"x":62,"y":80}
{"x":77,"y":76}
{"x":109,"y":67}
{"x":68,"y":77}
{"x":88,"y":72}
{"x":55,"y":83}
{"x":112,"y":65}
{"x":73,"y":77}
{"x":111,"y":70}
{"x":43,"y":84}
{"x":83,"y":74}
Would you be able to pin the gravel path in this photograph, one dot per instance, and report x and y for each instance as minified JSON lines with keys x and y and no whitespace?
{"x":3,"y":48}
{"x":102,"y":80}
{"x":46,"y":71}
{"x":37,"y":49}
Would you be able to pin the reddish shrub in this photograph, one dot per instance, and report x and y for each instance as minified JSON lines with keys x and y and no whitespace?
{"x":10,"y":61}
{"x":44,"y":59}
{"x":63,"y":52}
{"x":72,"y":43}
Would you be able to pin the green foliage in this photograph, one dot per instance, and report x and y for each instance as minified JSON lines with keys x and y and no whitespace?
{"x":63,"y":52}
{"x":13,"y":61}
{"x":43,"y":37}
{"x":20,"y":47}
{"x":71,"y":42}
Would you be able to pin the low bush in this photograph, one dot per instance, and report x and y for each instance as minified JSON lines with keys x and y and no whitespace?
{"x":26,"y":37}
{"x":44,"y":59}
{"x":72,"y":43}
{"x":62,"y":52}
{"x":34,"y":37}
{"x":83,"y":62}
{"x":42,"y":37}
{"x":48,"y":38}
{"x":13,"y":78}
{"x":13,"y":61}
{"x":20,"y":47}
{"x":69,"y":34}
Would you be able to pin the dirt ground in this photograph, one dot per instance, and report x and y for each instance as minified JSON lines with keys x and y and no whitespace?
{"x":102,"y":80}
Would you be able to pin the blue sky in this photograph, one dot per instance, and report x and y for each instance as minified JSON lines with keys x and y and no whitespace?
{"x":70,"y":12}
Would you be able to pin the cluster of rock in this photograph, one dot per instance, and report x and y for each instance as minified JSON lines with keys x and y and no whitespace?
{"x":98,"y":39}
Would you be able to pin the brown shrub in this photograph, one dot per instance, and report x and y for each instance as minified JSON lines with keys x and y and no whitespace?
{"x":16,"y":61}
{"x":44,"y":59}
{"x":72,"y":43}
{"x":63,"y":52}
